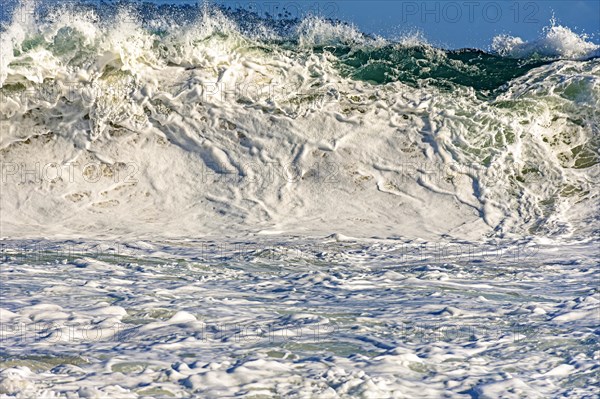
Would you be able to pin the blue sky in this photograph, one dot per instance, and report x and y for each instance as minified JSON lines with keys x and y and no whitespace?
{"x":452,"y":24}
{"x":446,"y":23}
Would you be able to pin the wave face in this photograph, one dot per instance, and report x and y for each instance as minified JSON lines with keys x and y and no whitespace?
{"x":182,"y":120}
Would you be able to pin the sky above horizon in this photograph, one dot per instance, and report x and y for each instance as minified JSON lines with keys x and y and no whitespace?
{"x":450,"y":24}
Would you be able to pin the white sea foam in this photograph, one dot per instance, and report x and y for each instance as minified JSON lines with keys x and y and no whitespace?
{"x":557,"y":42}
{"x":298,"y":317}
{"x":201,"y":128}
{"x":257,"y":221}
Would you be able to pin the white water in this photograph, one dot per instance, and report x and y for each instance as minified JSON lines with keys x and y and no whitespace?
{"x":557,"y":41}
{"x":197,"y":174}
{"x":208,"y":133}
{"x":291,"y":317}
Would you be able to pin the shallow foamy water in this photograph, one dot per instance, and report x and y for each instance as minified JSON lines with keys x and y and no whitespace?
{"x":295,"y":317}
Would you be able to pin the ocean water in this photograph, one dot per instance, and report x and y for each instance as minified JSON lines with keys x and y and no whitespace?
{"x":204,"y":202}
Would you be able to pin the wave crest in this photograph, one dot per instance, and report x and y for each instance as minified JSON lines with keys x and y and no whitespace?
{"x":557,"y":42}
